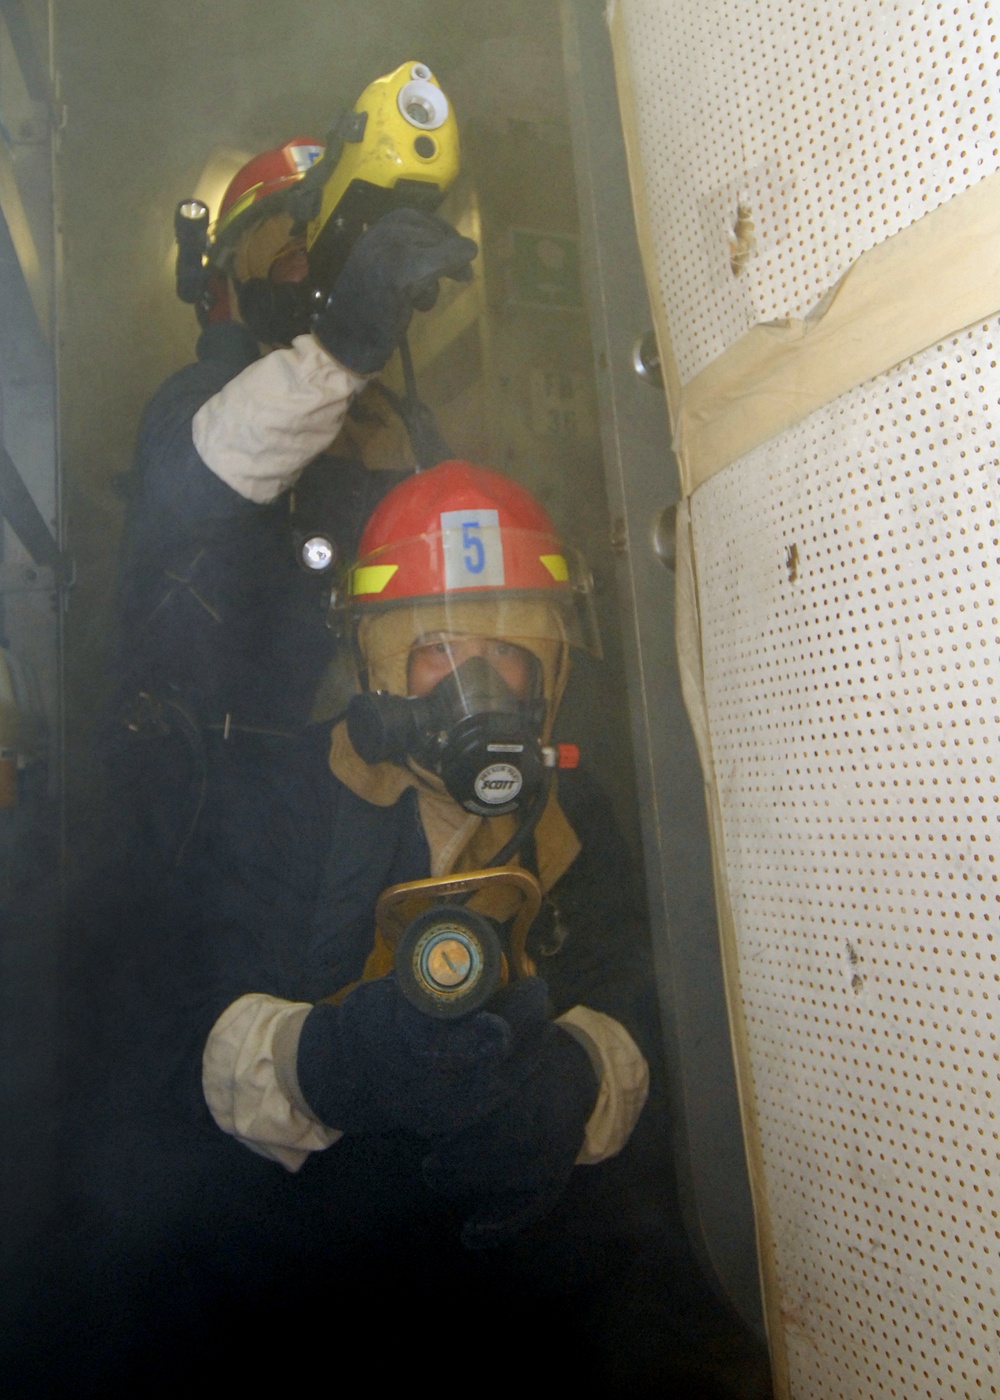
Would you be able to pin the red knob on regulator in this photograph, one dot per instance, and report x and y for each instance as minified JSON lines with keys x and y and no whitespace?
{"x":561,"y":756}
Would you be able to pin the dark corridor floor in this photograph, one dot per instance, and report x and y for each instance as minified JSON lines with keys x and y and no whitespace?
{"x":603,"y":1297}
{"x":607,"y":1307}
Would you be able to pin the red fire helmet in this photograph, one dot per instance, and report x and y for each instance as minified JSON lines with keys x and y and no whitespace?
{"x":270,"y":174}
{"x":462,"y":532}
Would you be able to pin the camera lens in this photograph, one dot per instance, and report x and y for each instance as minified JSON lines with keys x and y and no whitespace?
{"x":419,"y":112}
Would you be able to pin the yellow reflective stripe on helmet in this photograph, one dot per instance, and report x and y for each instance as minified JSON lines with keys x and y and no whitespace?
{"x":557,"y":566}
{"x":244,"y":202}
{"x":372,"y":578}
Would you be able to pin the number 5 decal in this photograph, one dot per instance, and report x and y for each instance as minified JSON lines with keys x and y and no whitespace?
{"x":475,"y":553}
{"x":472,"y":548}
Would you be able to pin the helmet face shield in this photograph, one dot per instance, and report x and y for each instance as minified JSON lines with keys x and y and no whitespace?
{"x":520,"y":586}
{"x":393,"y":641}
{"x":458,"y":556}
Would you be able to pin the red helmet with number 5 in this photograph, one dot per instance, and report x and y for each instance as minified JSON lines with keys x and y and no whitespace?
{"x":462,"y":550}
{"x":455,"y":529}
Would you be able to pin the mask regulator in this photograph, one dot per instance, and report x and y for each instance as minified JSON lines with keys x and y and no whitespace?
{"x":472,"y":730}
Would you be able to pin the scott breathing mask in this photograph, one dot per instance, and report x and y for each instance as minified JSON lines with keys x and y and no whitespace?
{"x":471,"y":729}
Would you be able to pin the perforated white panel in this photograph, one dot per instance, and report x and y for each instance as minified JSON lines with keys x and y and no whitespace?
{"x":849,"y":578}
{"x":840,"y":122}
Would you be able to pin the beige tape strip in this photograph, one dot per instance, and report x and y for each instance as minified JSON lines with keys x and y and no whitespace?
{"x":919,"y":287}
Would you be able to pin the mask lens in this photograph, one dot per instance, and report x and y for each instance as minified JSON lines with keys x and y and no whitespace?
{"x":432,"y":661}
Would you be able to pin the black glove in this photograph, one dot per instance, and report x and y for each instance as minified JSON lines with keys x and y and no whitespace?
{"x":508,"y":1169}
{"x":375,"y":1063}
{"x":392,"y":270}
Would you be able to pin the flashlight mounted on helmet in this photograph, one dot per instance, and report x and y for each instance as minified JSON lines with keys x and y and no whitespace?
{"x":191,"y":232}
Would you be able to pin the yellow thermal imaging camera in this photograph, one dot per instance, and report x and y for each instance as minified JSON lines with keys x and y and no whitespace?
{"x":397,"y":146}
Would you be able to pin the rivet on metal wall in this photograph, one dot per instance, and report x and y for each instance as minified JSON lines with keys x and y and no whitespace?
{"x":665,"y":537}
{"x":646,"y":360}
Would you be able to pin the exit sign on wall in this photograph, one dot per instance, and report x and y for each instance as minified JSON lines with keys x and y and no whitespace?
{"x":544,"y":270}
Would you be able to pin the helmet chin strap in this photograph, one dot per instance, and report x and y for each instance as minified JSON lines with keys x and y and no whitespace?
{"x":429,"y":447}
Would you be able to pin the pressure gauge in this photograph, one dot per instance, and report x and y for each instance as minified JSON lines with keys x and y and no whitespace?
{"x":449,"y":961}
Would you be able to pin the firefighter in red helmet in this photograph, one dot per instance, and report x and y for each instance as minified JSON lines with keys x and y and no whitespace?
{"x":254,"y":229}
{"x":256,"y":246}
{"x":269,"y":1124}
{"x":464,"y":605}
